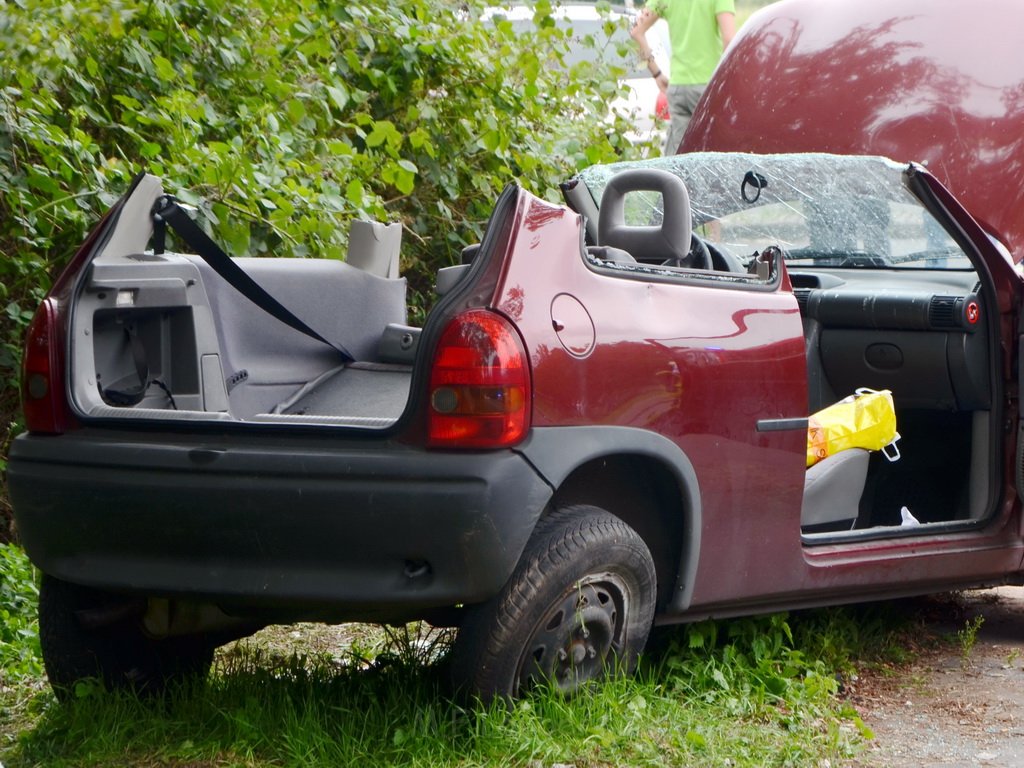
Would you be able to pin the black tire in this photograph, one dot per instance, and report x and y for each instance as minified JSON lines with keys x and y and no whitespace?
{"x":119,"y":653}
{"x":578,"y":606}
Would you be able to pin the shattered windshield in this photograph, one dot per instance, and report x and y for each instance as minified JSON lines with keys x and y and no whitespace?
{"x":822,"y":210}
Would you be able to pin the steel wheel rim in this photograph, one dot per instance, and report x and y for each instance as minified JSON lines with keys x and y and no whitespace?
{"x":578,"y":636}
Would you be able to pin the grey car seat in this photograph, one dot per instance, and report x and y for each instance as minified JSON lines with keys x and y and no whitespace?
{"x":832,"y":491}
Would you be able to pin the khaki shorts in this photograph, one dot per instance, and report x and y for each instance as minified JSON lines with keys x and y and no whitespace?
{"x":682,"y":100}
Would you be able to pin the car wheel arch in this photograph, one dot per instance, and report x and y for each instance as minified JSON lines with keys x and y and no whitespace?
{"x":641,"y":477}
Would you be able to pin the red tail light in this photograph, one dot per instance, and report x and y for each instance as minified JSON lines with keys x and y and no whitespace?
{"x":42,"y":372}
{"x":479,"y":385}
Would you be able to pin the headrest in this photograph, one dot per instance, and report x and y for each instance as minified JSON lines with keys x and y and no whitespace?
{"x":670,"y":240}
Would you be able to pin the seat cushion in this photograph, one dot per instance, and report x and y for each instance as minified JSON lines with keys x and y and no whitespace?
{"x":832,"y":489}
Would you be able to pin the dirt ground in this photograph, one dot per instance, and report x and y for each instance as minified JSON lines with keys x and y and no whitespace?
{"x":961,"y":702}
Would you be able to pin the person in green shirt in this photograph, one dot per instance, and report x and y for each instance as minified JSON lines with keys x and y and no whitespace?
{"x":698,"y":31}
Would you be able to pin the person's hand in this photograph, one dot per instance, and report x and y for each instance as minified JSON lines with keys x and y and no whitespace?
{"x":638,"y":31}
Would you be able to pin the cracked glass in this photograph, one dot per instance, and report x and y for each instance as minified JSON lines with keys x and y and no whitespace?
{"x":821,"y":210}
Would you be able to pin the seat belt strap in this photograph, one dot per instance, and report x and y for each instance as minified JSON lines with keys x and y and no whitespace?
{"x":167,"y":211}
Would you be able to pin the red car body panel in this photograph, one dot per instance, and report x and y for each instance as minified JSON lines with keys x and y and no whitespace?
{"x":874,"y":77}
{"x":715,"y":360}
{"x":918,"y":81}
{"x":708,"y":385}
{"x":927,"y":81}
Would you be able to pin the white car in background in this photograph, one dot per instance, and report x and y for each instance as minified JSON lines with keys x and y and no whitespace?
{"x":640,"y":100}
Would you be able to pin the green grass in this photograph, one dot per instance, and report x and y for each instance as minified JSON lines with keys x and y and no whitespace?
{"x":748,"y":692}
{"x":307,"y":712}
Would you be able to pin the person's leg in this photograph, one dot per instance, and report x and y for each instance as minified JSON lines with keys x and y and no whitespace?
{"x":682,"y":100}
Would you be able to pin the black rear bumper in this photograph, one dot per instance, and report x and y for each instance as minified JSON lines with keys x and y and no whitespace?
{"x":308,"y":527}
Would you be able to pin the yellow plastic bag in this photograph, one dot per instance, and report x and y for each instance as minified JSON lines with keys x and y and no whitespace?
{"x":866,"y":419}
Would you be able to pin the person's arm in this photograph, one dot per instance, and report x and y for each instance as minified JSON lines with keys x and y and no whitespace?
{"x":644,"y":21}
{"x":726,"y":28}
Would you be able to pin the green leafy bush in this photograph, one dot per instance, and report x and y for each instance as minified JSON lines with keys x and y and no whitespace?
{"x":751,"y":666}
{"x":20,"y":655}
{"x":282,"y":120}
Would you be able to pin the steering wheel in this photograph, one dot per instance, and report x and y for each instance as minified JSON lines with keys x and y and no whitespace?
{"x":698,"y":257}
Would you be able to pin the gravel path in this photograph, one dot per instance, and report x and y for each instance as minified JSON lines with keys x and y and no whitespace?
{"x":959,"y":703}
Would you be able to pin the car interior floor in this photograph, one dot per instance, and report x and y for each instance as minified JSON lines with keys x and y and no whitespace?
{"x":929,"y":477}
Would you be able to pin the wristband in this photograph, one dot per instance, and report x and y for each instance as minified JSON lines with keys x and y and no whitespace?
{"x":656,"y":75}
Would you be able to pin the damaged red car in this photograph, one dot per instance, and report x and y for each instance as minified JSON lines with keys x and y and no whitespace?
{"x":603,"y":423}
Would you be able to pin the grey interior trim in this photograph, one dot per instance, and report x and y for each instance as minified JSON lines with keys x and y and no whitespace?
{"x":337,"y":299}
{"x":164,"y":297}
{"x":159,"y":414}
{"x":819,"y":391}
{"x":399,"y":344}
{"x":447,"y":277}
{"x":375,"y":247}
{"x":578,"y":197}
{"x":134,"y":225}
{"x":980,"y":470}
{"x":197,"y":331}
{"x":608,"y":253}
{"x":340,"y":421}
{"x":213,"y":384}
{"x":359,"y":391}
{"x":305,"y":389}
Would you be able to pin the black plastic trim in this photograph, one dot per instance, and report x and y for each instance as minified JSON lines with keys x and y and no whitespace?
{"x":781,"y":425}
{"x":556,"y":451}
{"x":322,"y":528}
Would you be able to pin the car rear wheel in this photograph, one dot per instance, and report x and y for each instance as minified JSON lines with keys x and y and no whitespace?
{"x":89,"y":634}
{"x":578,"y":606}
